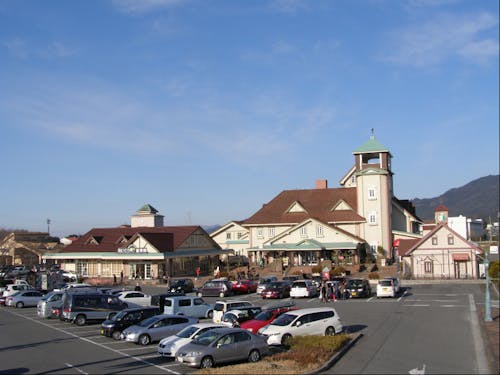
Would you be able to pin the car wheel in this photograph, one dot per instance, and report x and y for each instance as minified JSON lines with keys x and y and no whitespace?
{"x":330,"y":331}
{"x":80,"y":320}
{"x":144,"y":340}
{"x":210,"y":314}
{"x":19,"y":305}
{"x":116,"y":335}
{"x":254,"y":356}
{"x":207,"y":362}
{"x":285,"y":340}
{"x":199,"y":294}
{"x":221,"y":295}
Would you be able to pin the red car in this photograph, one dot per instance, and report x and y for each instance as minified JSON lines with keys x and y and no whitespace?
{"x":277,"y":289}
{"x":264,"y":318}
{"x":244,"y":286}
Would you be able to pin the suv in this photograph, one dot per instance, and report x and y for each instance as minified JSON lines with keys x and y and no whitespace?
{"x":302,"y":322}
{"x":304,"y":288}
{"x":113,"y":326}
{"x":216,"y":287}
{"x":182,"y":286}
{"x":359,"y":288}
{"x":221,"y":307}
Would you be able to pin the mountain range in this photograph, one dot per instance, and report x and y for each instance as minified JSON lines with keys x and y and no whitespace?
{"x":476,"y":200}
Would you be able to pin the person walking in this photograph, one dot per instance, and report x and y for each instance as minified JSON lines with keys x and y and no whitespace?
{"x":324,"y":292}
{"x":138,"y":288}
{"x":114,"y":279}
{"x":121,"y":277}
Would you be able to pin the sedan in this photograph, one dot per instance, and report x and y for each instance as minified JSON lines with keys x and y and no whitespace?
{"x":244,"y":286}
{"x":220,"y":345}
{"x":169,"y":345}
{"x":24,"y":298}
{"x":264,"y":318}
{"x":156,"y":328}
{"x":132,"y":298}
{"x":277,"y":289}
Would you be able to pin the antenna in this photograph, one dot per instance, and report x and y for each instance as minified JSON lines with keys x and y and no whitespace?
{"x":372,"y":136}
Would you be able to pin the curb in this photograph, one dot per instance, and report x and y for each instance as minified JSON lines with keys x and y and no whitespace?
{"x":336,"y":357}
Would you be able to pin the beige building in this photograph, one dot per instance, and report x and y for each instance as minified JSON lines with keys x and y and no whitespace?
{"x":27,"y":248}
{"x":441,"y":253}
{"x":144,"y":250}
{"x":362,"y":215}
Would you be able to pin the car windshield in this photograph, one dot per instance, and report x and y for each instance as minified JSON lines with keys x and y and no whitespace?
{"x":385,"y":282}
{"x":119,"y":316}
{"x":207,"y":338}
{"x":356,"y":283}
{"x":187,"y":332}
{"x":264,"y":316}
{"x":284,"y":320}
{"x":148,"y":321}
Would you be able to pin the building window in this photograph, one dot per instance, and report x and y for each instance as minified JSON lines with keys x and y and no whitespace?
{"x":82,"y":269}
{"x":270,"y":232}
{"x":303,"y":231}
{"x":260,"y":233}
{"x":451,"y":240}
{"x":319,"y":230}
{"x":353,"y":179}
{"x":240,"y":235}
{"x":434,"y":240}
{"x":228,"y":236}
{"x":372,"y":194}
{"x":372,"y":218}
{"x":428,"y":267}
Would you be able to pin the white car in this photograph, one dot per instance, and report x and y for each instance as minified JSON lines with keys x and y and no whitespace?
{"x":386,"y":288}
{"x":10,"y":289}
{"x":303,"y":288}
{"x":395,"y":281}
{"x":169,"y":346}
{"x":132,"y":298}
{"x":302,"y":322}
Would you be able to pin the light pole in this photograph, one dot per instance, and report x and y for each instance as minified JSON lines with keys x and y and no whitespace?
{"x":487,"y":306}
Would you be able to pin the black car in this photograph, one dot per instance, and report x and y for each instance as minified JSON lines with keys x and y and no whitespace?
{"x":114,"y":326}
{"x":182,"y":285}
{"x":359,"y":288}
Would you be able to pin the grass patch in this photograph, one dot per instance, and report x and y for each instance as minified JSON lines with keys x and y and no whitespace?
{"x":306,"y":354}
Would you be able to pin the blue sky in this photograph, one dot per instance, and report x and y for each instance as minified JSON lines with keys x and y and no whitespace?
{"x":208,"y":109}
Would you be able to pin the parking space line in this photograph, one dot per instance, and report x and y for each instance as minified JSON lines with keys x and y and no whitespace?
{"x":120,"y":352}
{"x":417,"y":305}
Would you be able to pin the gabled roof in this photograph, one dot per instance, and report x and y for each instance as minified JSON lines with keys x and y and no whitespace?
{"x":173,"y":237}
{"x":439,"y":227}
{"x":316,"y":202}
{"x":147,"y":208}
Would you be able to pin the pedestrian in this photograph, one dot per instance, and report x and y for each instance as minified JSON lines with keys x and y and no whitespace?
{"x":198,"y":271}
{"x":137,"y":287}
{"x":121,"y":277}
{"x":114,"y":279}
{"x":324,"y":292}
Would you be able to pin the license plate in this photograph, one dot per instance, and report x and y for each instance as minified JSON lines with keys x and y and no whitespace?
{"x":102,"y":332}
{"x":386,"y":289}
{"x":353,"y":293}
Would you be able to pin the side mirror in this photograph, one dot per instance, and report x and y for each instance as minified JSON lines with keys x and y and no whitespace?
{"x":298,"y":324}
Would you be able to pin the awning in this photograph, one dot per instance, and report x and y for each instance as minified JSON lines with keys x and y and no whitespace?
{"x":460,"y":257}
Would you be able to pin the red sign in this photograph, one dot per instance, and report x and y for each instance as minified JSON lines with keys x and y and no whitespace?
{"x":395,"y":243}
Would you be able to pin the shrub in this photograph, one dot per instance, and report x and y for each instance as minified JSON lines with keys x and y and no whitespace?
{"x":373,"y":275}
{"x":316,"y":269}
{"x":337,"y":271}
{"x":493,"y":269}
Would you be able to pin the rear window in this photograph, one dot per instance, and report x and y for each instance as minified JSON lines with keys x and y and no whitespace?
{"x":385,"y":282}
{"x":299,"y":284}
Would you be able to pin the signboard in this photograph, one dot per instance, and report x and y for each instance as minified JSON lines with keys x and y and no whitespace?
{"x":494,"y":249}
{"x":131,"y":249}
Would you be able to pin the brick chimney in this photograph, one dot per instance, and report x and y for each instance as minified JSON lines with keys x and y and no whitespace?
{"x":321,"y":184}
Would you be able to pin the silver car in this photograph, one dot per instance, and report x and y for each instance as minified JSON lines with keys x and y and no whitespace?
{"x":47,"y":303}
{"x":169,"y":345}
{"x":221,"y":345}
{"x":25,"y":298}
{"x":156,"y":328}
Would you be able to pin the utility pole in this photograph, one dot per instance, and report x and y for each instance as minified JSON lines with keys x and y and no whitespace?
{"x":48,"y":226}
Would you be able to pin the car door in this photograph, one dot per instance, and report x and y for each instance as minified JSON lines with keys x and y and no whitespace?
{"x":226,"y":348}
{"x":199,"y":308}
{"x":302,"y":326}
{"x":167,"y":327}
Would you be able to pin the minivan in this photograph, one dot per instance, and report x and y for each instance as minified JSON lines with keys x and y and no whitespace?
{"x":221,"y":307}
{"x":47,"y":303}
{"x":192,"y":306}
{"x":114,"y":325}
{"x":302,"y":322}
{"x":82,"y":307}
{"x":216,"y":287}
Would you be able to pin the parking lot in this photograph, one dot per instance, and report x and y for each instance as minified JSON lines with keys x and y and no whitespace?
{"x":425,"y":324}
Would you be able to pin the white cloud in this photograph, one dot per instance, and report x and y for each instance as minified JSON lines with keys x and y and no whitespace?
{"x":288,"y":6}
{"x":443,"y":37}
{"x":21,"y":49}
{"x":145,"y":6}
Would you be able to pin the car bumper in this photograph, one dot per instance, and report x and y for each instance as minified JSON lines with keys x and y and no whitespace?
{"x":274,"y":340}
{"x":189,"y":361}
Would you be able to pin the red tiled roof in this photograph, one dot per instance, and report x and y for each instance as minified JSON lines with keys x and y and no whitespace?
{"x":163,"y":238}
{"x":405,"y":245}
{"x":318,"y":203}
{"x":441,"y":207}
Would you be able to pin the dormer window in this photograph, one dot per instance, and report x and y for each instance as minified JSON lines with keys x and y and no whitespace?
{"x":451,"y":240}
{"x":434,"y":240}
{"x":228,"y":236}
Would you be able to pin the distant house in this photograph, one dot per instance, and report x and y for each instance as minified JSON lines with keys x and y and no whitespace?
{"x":441,"y":253}
{"x":144,"y":250}
{"x":27,"y":248}
{"x":303,"y":227}
{"x":232,"y":236}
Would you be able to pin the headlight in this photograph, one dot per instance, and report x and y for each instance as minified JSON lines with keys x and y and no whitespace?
{"x":193,"y":354}
{"x":250,"y":330}
{"x":360,"y":289}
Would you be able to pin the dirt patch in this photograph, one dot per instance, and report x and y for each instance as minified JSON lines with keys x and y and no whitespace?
{"x":491,"y":331}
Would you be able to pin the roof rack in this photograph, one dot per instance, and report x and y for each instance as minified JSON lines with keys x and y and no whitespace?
{"x":278,"y":305}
